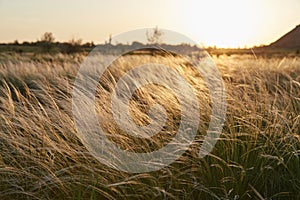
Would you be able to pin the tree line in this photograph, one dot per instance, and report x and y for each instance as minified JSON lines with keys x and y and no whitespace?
{"x":47,"y":44}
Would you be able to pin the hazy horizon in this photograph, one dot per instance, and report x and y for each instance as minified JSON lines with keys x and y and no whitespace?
{"x":221,"y":23}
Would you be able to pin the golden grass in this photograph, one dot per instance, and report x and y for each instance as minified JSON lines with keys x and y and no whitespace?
{"x":256,"y":157}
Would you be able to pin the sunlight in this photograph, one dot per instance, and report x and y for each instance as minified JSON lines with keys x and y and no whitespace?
{"x":226,"y":24}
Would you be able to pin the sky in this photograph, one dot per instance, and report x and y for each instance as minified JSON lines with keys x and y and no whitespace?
{"x":231,"y":23}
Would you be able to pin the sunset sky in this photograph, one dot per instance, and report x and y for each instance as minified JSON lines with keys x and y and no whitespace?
{"x":230,"y":23}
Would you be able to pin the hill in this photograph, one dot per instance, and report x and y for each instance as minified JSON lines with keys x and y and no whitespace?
{"x":290,"y":40}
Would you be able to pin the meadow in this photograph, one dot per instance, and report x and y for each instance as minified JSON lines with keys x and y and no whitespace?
{"x":256,"y":157}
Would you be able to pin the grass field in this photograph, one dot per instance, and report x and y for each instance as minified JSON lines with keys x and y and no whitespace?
{"x":256,"y":157}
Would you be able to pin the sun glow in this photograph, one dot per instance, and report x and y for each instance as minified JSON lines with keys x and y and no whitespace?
{"x":223,"y":23}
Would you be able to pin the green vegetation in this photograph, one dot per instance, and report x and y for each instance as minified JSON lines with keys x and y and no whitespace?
{"x":257,"y":156}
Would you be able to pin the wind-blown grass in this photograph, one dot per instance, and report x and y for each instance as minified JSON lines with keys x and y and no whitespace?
{"x":257,"y":156}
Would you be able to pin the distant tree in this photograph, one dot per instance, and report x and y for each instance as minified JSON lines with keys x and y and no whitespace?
{"x":26,"y":43}
{"x":47,"y":41}
{"x":155,"y":36}
{"x":47,"y":37}
{"x":16,"y":42}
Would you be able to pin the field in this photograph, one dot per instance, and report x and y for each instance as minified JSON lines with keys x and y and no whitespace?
{"x":256,"y":157}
